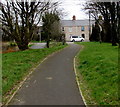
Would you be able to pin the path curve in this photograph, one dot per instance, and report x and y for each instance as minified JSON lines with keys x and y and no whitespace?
{"x":53,"y":82}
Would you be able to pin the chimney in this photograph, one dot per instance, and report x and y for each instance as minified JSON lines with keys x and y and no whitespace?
{"x":74,"y":17}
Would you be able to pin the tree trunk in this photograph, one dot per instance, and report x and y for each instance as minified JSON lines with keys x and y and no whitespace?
{"x":63,"y":39}
{"x":107,"y":33}
{"x":47,"y":44}
{"x":114,"y":37}
{"x":100,"y":39}
{"x":118,"y":19}
{"x":63,"y":42}
{"x":114,"y":34}
{"x":119,"y":35}
{"x":23,"y":47}
{"x":113,"y":24}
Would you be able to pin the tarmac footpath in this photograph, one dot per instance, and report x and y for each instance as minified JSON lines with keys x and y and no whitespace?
{"x":53,"y":82}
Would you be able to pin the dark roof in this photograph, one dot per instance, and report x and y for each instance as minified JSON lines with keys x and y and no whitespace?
{"x":76,"y":22}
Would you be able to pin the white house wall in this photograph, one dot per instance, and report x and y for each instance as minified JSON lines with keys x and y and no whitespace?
{"x":76,"y":30}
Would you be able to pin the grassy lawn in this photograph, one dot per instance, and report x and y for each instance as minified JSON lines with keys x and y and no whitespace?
{"x":16,"y":65}
{"x":97,"y":68}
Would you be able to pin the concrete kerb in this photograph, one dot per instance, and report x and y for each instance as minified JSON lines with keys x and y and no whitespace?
{"x":31,"y":71}
{"x":77,"y":78}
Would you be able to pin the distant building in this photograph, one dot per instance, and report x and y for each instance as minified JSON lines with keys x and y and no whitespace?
{"x":76,"y":27}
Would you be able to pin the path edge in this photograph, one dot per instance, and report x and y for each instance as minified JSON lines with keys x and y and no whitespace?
{"x":27,"y":76}
{"x":75,"y":70}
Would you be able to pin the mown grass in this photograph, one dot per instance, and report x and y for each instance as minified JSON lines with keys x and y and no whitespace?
{"x":97,"y":68}
{"x":0,"y":78}
{"x":16,"y":65}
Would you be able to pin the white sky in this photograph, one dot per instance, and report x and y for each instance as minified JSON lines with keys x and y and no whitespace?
{"x":74,"y":7}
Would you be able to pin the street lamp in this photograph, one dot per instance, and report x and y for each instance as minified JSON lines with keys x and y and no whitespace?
{"x":89,"y":25}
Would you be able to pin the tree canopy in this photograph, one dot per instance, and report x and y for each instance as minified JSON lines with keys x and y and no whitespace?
{"x":20,"y":18}
{"x":110,"y":12}
{"x":50,"y":20}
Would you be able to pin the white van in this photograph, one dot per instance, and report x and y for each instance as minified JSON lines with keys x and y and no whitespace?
{"x":76,"y":39}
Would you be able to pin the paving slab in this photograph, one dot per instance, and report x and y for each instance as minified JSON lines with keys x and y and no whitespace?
{"x":53,"y":82}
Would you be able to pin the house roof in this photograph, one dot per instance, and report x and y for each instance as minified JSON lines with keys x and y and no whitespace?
{"x":76,"y":22}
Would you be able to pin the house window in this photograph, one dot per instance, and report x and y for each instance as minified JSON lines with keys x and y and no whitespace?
{"x":70,"y":29}
{"x":82,"y":28}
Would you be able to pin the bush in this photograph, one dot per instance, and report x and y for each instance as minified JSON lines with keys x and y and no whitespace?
{"x":13,"y":44}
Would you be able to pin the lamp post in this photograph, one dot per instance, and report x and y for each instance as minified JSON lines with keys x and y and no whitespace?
{"x":89,"y":25}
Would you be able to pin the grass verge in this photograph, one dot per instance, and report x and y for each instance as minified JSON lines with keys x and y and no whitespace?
{"x":97,"y":72}
{"x":16,"y":65}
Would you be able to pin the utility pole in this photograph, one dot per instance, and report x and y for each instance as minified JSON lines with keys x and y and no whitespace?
{"x":89,"y":25}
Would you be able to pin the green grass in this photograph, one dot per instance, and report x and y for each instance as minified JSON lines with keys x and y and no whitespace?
{"x":97,"y":68}
{"x":30,"y":45}
{"x":16,"y":65}
{"x":0,"y":78}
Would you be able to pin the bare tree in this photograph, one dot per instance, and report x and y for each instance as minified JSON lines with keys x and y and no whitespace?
{"x":19,"y":19}
{"x":118,"y":21}
{"x":109,"y":12}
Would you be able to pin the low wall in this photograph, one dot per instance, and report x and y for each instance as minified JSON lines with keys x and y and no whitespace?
{"x":6,"y":48}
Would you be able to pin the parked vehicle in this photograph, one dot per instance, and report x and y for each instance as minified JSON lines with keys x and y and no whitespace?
{"x":76,"y":39}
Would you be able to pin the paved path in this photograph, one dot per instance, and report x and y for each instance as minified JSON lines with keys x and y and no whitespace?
{"x":52,"y":83}
{"x":38,"y":46}
{"x":43,"y":45}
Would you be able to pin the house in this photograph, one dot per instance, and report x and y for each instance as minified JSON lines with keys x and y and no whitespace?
{"x":76,"y":27}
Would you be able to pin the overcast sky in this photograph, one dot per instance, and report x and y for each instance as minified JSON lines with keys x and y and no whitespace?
{"x":74,"y":7}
